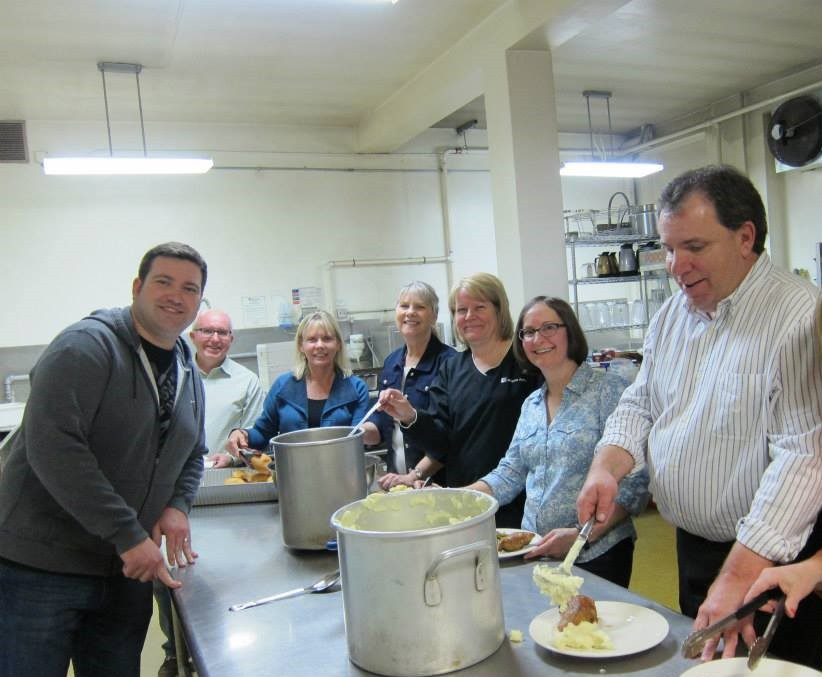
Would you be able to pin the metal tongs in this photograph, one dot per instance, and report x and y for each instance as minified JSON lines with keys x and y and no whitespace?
{"x":695,"y":642}
{"x":760,"y":646}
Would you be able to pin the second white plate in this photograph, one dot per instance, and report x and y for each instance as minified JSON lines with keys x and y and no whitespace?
{"x":632,"y":628}
{"x":504,"y":554}
{"x":738,"y":667}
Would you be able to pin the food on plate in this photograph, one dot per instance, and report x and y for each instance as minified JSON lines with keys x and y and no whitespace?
{"x":513,"y":541}
{"x":579,"y":608}
{"x":583,"y":636}
{"x":578,"y":626}
{"x":233,"y":480}
{"x":557,"y":585}
{"x":515,"y":636}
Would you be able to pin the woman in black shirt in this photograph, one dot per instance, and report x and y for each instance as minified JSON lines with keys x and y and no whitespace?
{"x":476,"y":398}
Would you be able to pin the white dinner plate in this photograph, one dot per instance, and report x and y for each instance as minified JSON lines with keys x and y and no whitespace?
{"x":632,"y":628}
{"x":738,"y":667}
{"x":504,"y":554}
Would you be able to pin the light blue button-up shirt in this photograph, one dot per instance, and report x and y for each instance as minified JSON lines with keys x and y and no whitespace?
{"x":552,"y":461}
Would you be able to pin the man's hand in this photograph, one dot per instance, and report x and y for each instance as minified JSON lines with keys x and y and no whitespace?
{"x":144,"y":562}
{"x":221,"y":460}
{"x":599,"y":492}
{"x":726,"y":594}
{"x":173,"y":524}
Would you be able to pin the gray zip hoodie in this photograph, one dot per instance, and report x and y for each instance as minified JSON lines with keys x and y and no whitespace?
{"x":86,"y":478}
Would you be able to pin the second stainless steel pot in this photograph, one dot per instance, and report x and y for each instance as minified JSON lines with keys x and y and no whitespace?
{"x":318,"y":470}
{"x":643,"y":219}
{"x":421,"y":596}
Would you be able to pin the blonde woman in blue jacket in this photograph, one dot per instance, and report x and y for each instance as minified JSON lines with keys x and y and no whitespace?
{"x":318,"y":392}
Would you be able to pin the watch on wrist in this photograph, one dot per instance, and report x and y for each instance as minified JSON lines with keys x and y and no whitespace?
{"x":418,"y":474}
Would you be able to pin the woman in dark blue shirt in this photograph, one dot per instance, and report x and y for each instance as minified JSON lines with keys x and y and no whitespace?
{"x":411,"y":369}
{"x":319,"y":392}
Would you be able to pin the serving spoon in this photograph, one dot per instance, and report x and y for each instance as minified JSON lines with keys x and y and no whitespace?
{"x":364,"y":418}
{"x":322,"y":585}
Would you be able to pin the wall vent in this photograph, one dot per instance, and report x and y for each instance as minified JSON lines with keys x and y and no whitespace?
{"x":13,"y":141}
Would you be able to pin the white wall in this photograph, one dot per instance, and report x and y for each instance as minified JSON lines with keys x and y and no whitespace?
{"x":72,"y":244}
{"x":803,"y":192}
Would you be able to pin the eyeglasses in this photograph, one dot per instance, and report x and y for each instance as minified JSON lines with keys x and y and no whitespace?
{"x":208,"y":333}
{"x":547,"y":330}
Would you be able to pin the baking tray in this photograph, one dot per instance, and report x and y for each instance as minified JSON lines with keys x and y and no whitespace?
{"x":212,"y":491}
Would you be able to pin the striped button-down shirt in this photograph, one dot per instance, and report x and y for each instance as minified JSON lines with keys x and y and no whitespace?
{"x":729,"y":411}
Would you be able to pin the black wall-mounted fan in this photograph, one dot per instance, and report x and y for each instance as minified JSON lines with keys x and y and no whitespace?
{"x":795,"y":131}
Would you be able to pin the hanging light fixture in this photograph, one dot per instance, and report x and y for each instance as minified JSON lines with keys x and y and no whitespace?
{"x":125,"y":165}
{"x":605,"y":167}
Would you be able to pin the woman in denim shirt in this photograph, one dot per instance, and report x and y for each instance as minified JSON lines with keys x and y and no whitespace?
{"x":319,"y":392}
{"x":411,"y":369}
{"x":553,"y":445}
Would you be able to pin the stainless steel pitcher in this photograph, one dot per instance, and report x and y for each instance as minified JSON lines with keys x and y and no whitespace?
{"x":606,"y":264}
{"x":627,"y":260}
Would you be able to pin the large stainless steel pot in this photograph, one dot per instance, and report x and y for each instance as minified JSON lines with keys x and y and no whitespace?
{"x":421,"y":596}
{"x":318,"y":470}
{"x":643,"y":219}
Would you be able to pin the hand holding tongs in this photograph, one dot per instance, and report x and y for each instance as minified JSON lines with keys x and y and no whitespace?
{"x":695,"y":642}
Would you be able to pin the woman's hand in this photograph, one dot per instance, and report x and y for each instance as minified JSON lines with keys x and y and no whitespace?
{"x":238,"y":439}
{"x":555,"y":544}
{"x":392,"y":479}
{"x":397,"y":406}
{"x":797,"y":581}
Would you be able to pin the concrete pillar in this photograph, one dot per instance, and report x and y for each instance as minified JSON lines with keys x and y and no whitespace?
{"x":524,"y":160}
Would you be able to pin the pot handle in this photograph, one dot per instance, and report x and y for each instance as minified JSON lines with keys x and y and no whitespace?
{"x":431,"y":587}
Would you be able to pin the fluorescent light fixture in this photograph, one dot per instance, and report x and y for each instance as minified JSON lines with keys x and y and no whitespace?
{"x":628,"y":170}
{"x":84,"y":166}
{"x":606,"y":168}
{"x":79,"y":166}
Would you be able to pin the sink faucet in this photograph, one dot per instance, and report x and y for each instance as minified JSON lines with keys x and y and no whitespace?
{"x":627,"y":206}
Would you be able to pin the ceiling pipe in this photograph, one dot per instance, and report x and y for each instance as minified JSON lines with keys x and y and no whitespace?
{"x":717,"y":120}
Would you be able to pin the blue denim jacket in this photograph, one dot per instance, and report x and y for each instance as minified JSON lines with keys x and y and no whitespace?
{"x":551,"y":462}
{"x":286,"y":407}
{"x":416,"y":390}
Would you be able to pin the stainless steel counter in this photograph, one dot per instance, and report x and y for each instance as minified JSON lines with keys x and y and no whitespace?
{"x":242,"y":557}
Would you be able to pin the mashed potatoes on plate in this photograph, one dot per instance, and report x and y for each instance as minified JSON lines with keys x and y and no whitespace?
{"x":585,"y":635}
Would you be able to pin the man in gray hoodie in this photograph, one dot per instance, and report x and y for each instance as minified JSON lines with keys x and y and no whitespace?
{"x":107,"y":460}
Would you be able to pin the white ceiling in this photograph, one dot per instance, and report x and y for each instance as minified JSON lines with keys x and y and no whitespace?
{"x":335,"y":62}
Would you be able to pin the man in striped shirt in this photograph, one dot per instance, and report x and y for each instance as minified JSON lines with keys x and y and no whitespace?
{"x":726,"y":411}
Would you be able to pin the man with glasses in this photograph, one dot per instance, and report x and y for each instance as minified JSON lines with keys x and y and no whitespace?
{"x":725,"y":411}
{"x":234,"y":395}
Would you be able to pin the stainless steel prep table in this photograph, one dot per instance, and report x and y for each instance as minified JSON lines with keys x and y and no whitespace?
{"x":242,"y":557}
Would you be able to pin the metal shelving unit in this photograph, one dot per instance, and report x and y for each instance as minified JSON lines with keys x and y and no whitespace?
{"x":643,"y":278}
